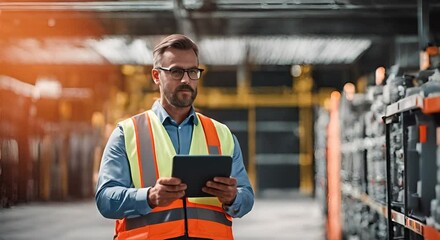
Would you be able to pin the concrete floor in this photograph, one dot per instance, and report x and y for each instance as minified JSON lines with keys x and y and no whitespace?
{"x":271,"y":218}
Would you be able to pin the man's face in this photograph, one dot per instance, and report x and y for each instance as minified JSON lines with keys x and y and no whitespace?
{"x":178,"y":93}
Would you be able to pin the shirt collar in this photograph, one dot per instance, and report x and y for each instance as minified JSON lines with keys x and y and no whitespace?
{"x":163,"y":115}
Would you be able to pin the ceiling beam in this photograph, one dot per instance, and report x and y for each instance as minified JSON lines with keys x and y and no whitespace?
{"x":242,"y":5}
{"x":97,"y":6}
{"x":184,"y":23}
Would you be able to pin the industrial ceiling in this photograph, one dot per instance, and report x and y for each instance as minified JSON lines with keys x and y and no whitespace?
{"x":271,"y":32}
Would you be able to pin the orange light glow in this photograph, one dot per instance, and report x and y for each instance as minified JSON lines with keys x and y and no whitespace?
{"x":335,"y":95}
{"x":349,"y":90}
{"x":51,"y":84}
{"x":380,"y":75}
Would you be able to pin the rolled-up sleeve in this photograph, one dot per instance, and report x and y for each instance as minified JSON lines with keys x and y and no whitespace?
{"x":116,"y":196}
{"x":244,"y":201}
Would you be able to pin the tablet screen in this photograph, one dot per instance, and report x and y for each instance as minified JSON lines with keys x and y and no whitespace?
{"x":196,"y":170}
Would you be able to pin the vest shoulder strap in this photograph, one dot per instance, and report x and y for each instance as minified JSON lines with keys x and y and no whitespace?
{"x":211,"y":134}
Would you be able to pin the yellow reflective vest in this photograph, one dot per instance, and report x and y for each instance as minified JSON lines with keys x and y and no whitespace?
{"x":150,"y":153}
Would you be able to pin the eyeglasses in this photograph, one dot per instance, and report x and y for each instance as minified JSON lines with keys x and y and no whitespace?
{"x":177,"y":73}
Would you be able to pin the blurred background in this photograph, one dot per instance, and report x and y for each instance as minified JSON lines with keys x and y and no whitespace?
{"x":331,"y":101}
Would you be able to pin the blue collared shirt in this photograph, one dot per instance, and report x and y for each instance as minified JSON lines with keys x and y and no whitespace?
{"x":116,"y":196}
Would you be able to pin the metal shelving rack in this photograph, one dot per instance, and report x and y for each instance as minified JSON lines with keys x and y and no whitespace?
{"x":396,"y":193}
{"x":414,"y":113}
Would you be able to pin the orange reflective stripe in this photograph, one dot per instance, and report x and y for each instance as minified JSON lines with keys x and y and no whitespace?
{"x":211,"y":134}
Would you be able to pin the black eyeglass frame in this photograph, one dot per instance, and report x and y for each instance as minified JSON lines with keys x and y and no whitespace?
{"x":187,"y":71}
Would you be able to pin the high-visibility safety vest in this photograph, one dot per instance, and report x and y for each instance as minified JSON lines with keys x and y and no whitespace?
{"x":150,"y":153}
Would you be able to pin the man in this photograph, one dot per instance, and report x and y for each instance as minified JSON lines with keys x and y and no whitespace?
{"x":135,"y":184}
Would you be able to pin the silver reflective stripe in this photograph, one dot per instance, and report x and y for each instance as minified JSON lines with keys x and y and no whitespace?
{"x":213,"y":150}
{"x":209,"y":215}
{"x":146,"y":150}
{"x":155,"y":218}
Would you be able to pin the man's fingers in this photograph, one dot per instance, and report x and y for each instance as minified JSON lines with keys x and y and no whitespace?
{"x":170,"y":184}
{"x":226,"y":197}
{"x":169,"y":181}
{"x":165,"y":191}
{"x":215,"y":185}
{"x":176,"y":188}
{"x":224,"y":188}
{"x":161,"y":195}
{"x":211,"y":191}
{"x":230,"y":181}
{"x":172,"y":196}
{"x":221,"y":185}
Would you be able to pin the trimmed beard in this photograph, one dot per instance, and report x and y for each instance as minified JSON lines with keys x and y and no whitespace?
{"x":174,"y":99}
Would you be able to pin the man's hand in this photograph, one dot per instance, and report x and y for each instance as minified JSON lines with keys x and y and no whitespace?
{"x":224,"y":188}
{"x":165,"y":191}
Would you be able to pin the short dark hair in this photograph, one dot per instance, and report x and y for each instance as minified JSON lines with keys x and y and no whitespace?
{"x":178,"y":41}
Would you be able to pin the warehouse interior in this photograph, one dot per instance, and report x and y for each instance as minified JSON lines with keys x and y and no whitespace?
{"x":333,"y":101}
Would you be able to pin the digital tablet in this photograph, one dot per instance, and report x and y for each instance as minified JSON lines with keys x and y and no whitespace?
{"x":196,"y":170}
